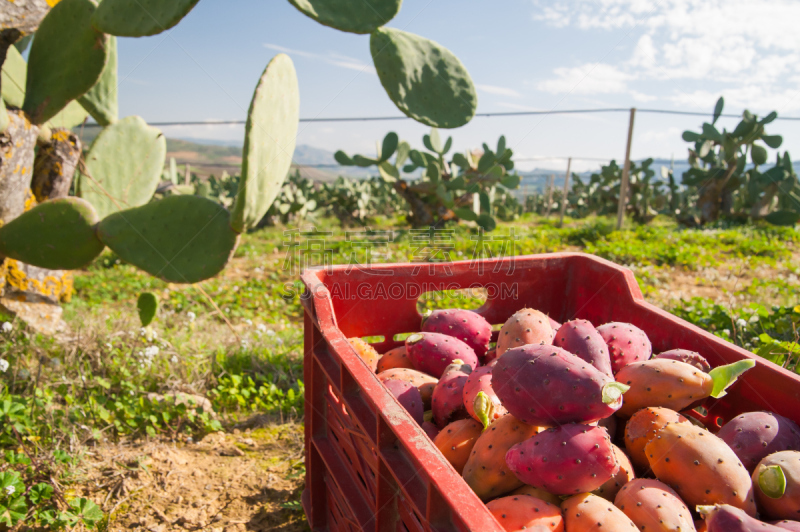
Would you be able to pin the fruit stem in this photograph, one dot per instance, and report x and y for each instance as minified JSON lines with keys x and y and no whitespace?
{"x":772,"y":481}
{"x":612,"y":392}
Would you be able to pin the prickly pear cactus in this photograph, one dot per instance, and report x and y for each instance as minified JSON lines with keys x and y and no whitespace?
{"x":354,"y":16}
{"x":195,"y":246}
{"x":14,"y":76}
{"x":140,"y":18}
{"x":66,"y":59}
{"x":101,"y":100}
{"x":125,"y":161}
{"x":269,"y":142}
{"x":424,"y":79}
{"x":55,"y":165}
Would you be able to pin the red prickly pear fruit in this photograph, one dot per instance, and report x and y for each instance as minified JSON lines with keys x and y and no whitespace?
{"x":776,"y":480}
{"x":674,"y":385}
{"x":728,"y":518}
{"x":539,"y":493}
{"x":448,"y":396}
{"x":794,"y":526}
{"x":455,"y":441}
{"x":580,"y":338}
{"x":366,"y":352}
{"x":589,"y":513}
{"x":689,"y":357}
{"x":544,"y":385}
{"x":610,"y":424}
{"x":700,"y":467}
{"x":626,"y":343}
{"x":408,"y":396}
{"x":431,"y":353}
{"x":490,"y":356}
{"x":488,"y":405}
{"x":756,"y":435}
{"x":466,"y":325}
{"x":394,"y":358}
{"x":643,"y":427}
{"x":652,"y":505}
{"x":430,"y":429}
{"x":526,"y":326}
{"x":625,"y":474}
{"x":565,"y":460}
{"x":486,"y":471}
{"x":523,"y":512}
{"x":424,"y":382}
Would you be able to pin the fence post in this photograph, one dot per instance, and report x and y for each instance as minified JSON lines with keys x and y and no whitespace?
{"x":549,"y":204}
{"x":187,"y":178}
{"x":623,"y":186}
{"x":564,"y":198}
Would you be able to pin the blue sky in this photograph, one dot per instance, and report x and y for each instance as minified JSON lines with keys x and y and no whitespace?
{"x":522,"y":55}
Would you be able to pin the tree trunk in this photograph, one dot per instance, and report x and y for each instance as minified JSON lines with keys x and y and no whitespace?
{"x":421,"y":215}
{"x":764,"y":204}
{"x":55,"y":165}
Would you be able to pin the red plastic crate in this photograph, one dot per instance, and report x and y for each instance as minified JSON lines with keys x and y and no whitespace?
{"x":369,"y":466}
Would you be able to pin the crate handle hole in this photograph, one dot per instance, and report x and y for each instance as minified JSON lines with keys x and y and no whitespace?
{"x":466,"y":298}
{"x":373,"y":339}
{"x":718,"y":421}
{"x":401,"y":337}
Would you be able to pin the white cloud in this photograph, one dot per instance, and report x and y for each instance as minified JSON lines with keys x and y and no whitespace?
{"x":332,"y":58}
{"x":498,"y":91}
{"x":587,"y":79}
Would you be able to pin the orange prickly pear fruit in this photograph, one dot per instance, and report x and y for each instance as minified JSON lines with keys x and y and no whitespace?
{"x":523,"y":512}
{"x":700,"y":467}
{"x":642,"y":427}
{"x":455,"y":441}
{"x":394,"y":358}
{"x":589,"y":513}
{"x":625,"y":474}
{"x":366,"y":352}
{"x":654,"y":506}
{"x":539,"y":493}
{"x":486,"y":471}
{"x":424,"y":382}
{"x":526,"y":326}
{"x":776,"y":480}
{"x":673,"y":384}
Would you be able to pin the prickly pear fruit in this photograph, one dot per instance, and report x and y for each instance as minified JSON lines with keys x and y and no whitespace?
{"x":700,"y":467}
{"x":553,"y":324}
{"x":589,"y":513}
{"x":486,"y":471}
{"x":539,"y":493}
{"x":580,"y":338}
{"x":727,"y":518}
{"x":776,"y":480}
{"x":448,"y":395}
{"x":673,"y":384}
{"x":794,"y":526}
{"x":610,"y":424}
{"x":626,"y":343}
{"x":564,"y":460}
{"x":546,"y":386}
{"x":652,"y":505}
{"x":625,"y":474}
{"x":643,"y":427}
{"x":526,"y":326}
{"x":431,"y":353}
{"x":523,"y":512}
{"x":394,"y":358}
{"x":456,"y":440}
{"x":755,"y":435}
{"x":408,"y":396}
{"x":689,"y":357}
{"x":430,"y":429}
{"x":424,"y":382}
{"x":488,"y":405}
{"x":469,"y":327}
{"x":365,"y":351}
{"x":490,"y":356}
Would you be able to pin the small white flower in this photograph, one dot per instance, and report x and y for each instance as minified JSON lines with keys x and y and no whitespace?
{"x":108,"y":345}
{"x":151,"y":351}
{"x":280,"y":340}
{"x":131,"y":392}
{"x":754,"y":318}
{"x":741,"y":323}
{"x":249,"y":322}
{"x":3,"y":365}
{"x":261,"y":327}
{"x":191,"y":315}
{"x":727,"y":331}
{"x":270,"y":332}
{"x":10,"y":489}
{"x":7,"y":326}
{"x":174,"y":359}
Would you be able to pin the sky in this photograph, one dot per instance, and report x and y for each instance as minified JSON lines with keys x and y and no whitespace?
{"x":521,"y":54}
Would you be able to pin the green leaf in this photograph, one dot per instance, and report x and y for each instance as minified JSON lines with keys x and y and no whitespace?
{"x":511,"y":181}
{"x":434,"y":141}
{"x":487,"y":222}
{"x":87,"y":511}
{"x":461,"y":161}
{"x":389,"y":146}
{"x":403,"y":150}
{"x":388,"y":172}
{"x":363,"y":162}
{"x":40,"y":492}
{"x":447,"y":145}
{"x":710,"y":132}
{"x":773,"y":141}
{"x":690,"y":136}
{"x":758,"y":154}
{"x":465,"y":214}
{"x":718,"y":109}
{"x":147,"y":305}
{"x":724,"y":376}
{"x":786,"y":218}
{"x":769,"y":118}
{"x":342,"y":158}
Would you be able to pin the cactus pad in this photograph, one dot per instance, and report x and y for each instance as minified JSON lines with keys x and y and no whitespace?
{"x":269,"y":142}
{"x":57,"y":234}
{"x":66,"y":60}
{"x":147,"y":305}
{"x":70,"y":116}
{"x":126,"y":160}
{"x":354,"y":16}
{"x":101,"y":100}
{"x":4,"y":119}
{"x":14,"y":76}
{"x":180,"y":239}
{"x":423,"y":79}
{"x":139,"y":18}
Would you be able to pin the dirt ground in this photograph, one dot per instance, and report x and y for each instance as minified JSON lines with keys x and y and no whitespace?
{"x":248,"y":480}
